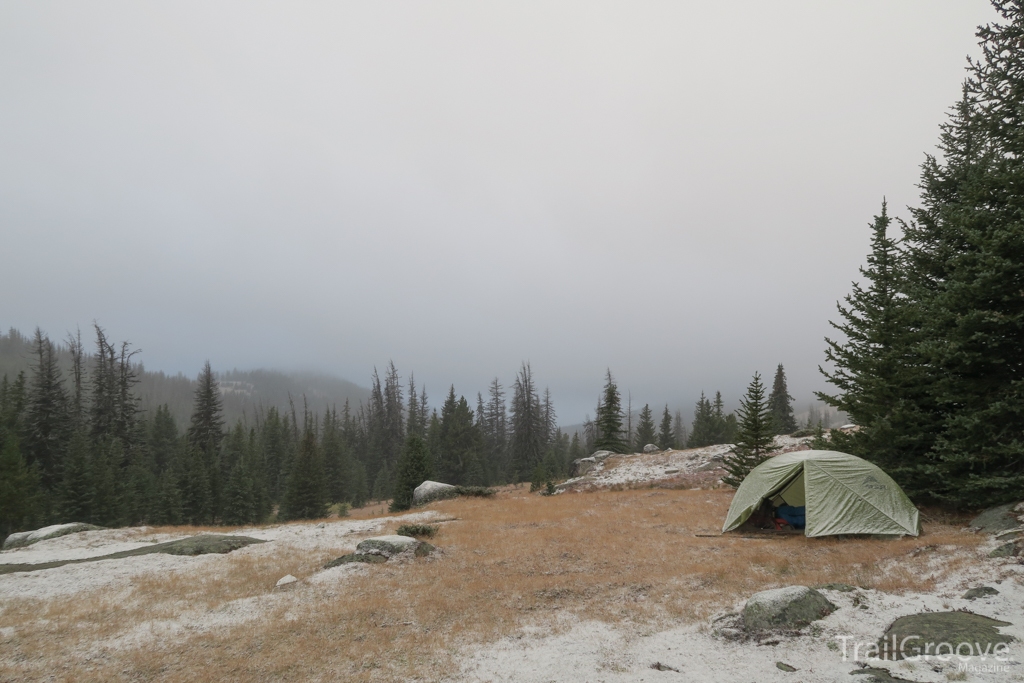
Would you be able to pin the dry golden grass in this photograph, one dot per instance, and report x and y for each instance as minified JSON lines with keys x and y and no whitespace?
{"x":508,"y":562}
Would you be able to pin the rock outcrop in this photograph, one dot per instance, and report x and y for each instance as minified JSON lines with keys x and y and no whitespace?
{"x":785,"y":609}
{"x":432,"y":490}
{"x":957,"y":629}
{"x":23,"y":538}
{"x":999,"y":518}
{"x":380,"y":549}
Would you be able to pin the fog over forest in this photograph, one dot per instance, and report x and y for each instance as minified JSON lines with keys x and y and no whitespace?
{"x":679,"y":193}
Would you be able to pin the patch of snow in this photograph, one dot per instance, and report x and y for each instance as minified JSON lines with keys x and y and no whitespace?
{"x":624,"y":653}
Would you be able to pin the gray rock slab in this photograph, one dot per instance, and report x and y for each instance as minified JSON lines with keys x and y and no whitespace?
{"x":787,"y":608}
{"x":432,"y":490}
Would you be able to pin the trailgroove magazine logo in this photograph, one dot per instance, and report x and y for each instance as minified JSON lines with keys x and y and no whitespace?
{"x":914,"y":649}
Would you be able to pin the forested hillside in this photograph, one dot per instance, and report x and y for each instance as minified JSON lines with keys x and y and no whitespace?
{"x":91,"y":436}
{"x":244,"y":392}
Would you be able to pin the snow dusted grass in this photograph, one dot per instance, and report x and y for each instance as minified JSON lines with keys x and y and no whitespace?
{"x":507,"y":564}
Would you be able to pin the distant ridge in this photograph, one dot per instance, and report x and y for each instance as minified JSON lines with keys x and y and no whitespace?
{"x":244,"y":392}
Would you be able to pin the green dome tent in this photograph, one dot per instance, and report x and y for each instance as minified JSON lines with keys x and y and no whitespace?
{"x":842,"y":494}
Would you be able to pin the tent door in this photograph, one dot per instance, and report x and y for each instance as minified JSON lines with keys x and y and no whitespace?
{"x":791,"y":493}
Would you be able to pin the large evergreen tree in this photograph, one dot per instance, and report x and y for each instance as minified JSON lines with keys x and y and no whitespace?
{"x":644,"y":429}
{"x":20,"y":494}
{"x":665,"y":437}
{"x":460,"y":447}
{"x":413,"y":469}
{"x":305,"y":495}
{"x":202,"y":482}
{"x":780,"y":404}
{"x":703,"y":431}
{"x":756,"y":435}
{"x":47,"y":419}
{"x":877,"y":368}
{"x":608,"y":421}
{"x":965,"y":253}
{"x":527,"y":428}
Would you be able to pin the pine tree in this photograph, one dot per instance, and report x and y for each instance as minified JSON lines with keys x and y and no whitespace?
{"x":527,"y":429}
{"x":75,"y":492}
{"x":203,"y":485}
{"x":460,"y":448}
{"x":756,"y":435}
{"x":417,"y":411}
{"x":609,"y":419}
{"x":163,"y":438}
{"x":665,"y":439}
{"x":413,"y":469}
{"x":703,"y":430}
{"x":305,"y":497}
{"x":20,"y":494}
{"x":879,"y":383}
{"x":47,"y":421}
{"x":679,"y":431}
{"x":779,"y":404}
{"x":965,"y":258}
{"x":644,"y":429}
{"x":495,"y":428}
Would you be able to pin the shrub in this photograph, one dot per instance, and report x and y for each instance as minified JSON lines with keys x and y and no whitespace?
{"x":417,"y":530}
{"x":481,"y":491}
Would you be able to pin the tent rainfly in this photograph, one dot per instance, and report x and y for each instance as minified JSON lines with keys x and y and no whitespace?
{"x":841,"y":494}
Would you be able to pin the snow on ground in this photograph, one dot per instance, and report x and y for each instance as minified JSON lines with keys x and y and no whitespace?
{"x":74,"y":578}
{"x":599,"y":652}
{"x":642,"y":468}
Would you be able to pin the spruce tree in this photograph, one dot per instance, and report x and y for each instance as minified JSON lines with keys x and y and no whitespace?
{"x":703,"y":430}
{"x":665,"y":438}
{"x":20,"y":494}
{"x":609,"y":419}
{"x":527,"y":429}
{"x":644,"y":429}
{"x":679,"y":431}
{"x":965,"y":257}
{"x":881,"y":385}
{"x":460,"y":448}
{"x":47,"y":421}
{"x":305,"y":495}
{"x":755,"y":438}
{"x":779,"y":403}
{"x":413,"y":469}
{"x":204,"y":482}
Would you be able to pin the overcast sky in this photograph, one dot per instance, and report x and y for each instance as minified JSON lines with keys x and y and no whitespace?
{"x":679,"y":191}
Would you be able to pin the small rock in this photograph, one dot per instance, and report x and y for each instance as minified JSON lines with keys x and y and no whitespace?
{"x":286,"y":580}
{"x":651,"y":448}
{"x":785,"y":667}
{"x":321,"y":525}
{"x":787,"y":608}
{"x":671,"y":471}
{"x":663,"y":667}
{"x":424,"y":549}
{"x":980,"y":592}
{"x":432,"y":490}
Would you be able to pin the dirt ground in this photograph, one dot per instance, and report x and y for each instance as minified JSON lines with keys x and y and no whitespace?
{"x":514,"y":572}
